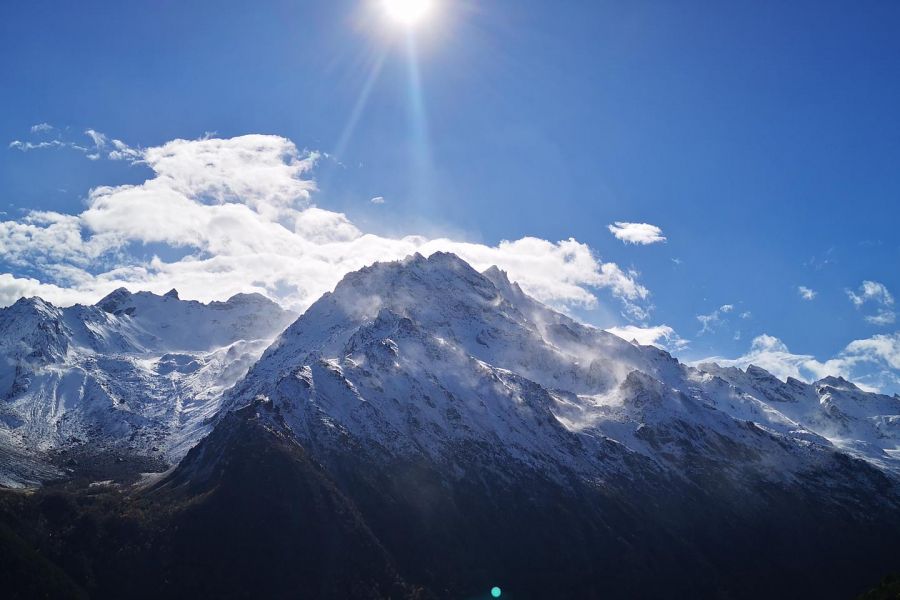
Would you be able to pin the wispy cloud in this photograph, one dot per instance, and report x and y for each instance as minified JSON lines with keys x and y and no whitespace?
{"x":377,"y":200}
{"x":46,"y":136}
{"x":26,"y":146}
{"x":876,"y":294}
{"x":711,"y":322}
{"x":637,"y":233}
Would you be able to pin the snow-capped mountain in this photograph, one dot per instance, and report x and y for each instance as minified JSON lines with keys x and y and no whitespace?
{"x":136,"y":375}
{"x":454,"y":432}
{"x":483,"y":436}
{"x":424,"y":356}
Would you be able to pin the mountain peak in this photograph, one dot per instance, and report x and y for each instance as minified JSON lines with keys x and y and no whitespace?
{"x":33,"y":302}
{"x":758,"y":372}
{"x":113,"y":301}
{"x":836,"y":382}
{"x":173,"y":293}
{"x":500,"y":279}
{"x":249,"y":298}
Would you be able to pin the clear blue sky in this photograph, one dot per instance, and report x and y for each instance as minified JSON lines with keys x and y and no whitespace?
{"x":763,"y":138}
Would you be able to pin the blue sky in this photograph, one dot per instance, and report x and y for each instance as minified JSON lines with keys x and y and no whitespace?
{"x":762,"y":138}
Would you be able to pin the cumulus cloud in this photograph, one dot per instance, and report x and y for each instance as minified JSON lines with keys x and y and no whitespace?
{"x":637,"y":233}
{"x":772,"y":354}
{"x":876,"y":294}
{"x":661,"y":336}
{"x":872,"y":363}
{"x":12,"y":288}
{"x":237,"y":216}
{"x":806,"y":293}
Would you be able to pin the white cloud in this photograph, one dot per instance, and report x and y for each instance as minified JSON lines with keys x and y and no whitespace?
{"x":772,"y":354}
{"x":123,"y":151}
{"x":662,"y":336}
{"x":27,"y":146}
{"x":13,"y":288}
{"x":882,"y":317}
{"x":377,"y":200}
{"x":711,"y":322}
{"x":98,"y":138}
{"x":237,"y":214}
{"x":42,"y":131}
{"x":637,"y":233}
{"x":871,"y":290}
{"x":877,"y":294}
{"x":872,"y":363}
{"x":806,"y":293}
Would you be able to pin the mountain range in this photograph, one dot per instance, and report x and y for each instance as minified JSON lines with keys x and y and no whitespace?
{"x":422,"y":431}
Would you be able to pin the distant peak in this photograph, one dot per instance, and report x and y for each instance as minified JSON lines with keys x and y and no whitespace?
{"x":496,"y":274}
{"x":759,"y":372}
{"x":792,"y":381}
{"x":114,"y":295}
{"x":250,"y":298}
{"x":173,"y":293}
{"x":35,"y":302}
{"x":445,"y":257}
{"x":112,"y":302}
{"x":501,"y":281}
{"x":836,"y":382}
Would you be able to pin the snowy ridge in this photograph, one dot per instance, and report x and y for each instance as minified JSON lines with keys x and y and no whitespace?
{"x":136,"y":373}
{"x":420,"y":358}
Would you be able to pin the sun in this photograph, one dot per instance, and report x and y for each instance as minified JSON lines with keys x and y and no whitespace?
{"x":408,"y":12}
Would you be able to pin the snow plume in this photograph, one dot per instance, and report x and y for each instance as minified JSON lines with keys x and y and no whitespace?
{"x":662,"y":336}
{"x":237,"y":215}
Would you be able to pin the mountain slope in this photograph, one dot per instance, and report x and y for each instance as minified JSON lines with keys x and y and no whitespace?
{"x":430,"y":391}
{"x":132,"y":381}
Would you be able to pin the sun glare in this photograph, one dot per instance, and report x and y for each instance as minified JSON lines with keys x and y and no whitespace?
{"x":408,"y":12}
